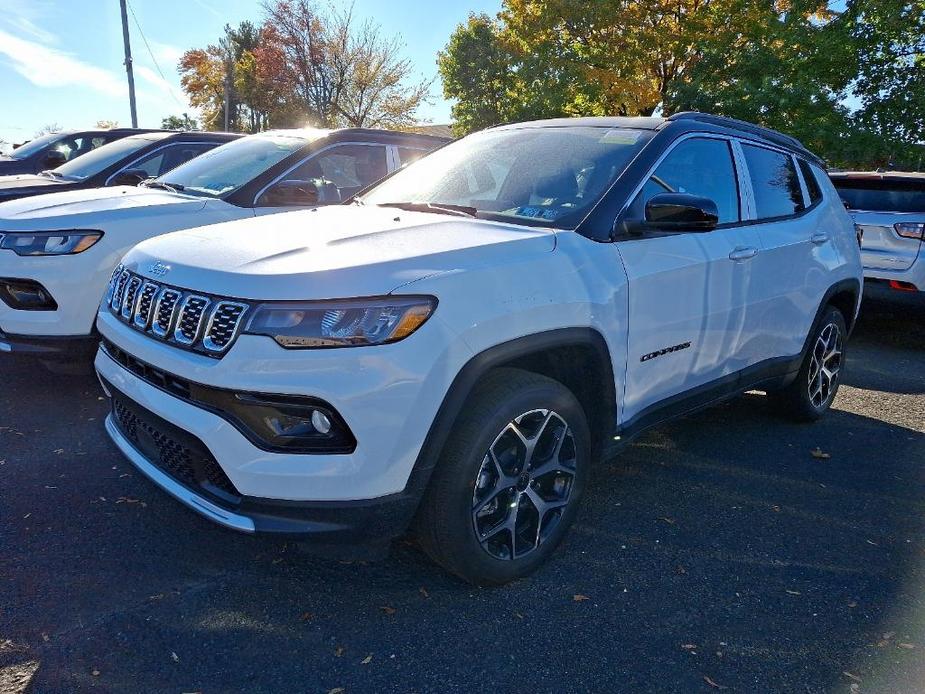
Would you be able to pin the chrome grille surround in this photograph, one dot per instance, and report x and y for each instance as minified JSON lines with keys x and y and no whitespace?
{"x":223,"y":325}
{"x":189,"y":320}
{"x":165,"y":307}
{"x":141,"y":318}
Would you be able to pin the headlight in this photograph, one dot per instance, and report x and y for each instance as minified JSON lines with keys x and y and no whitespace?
{"x":343,"y":323}
{"x":49,"y":242}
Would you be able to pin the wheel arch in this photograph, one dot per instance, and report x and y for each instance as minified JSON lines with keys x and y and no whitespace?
{"x":576,"y":357}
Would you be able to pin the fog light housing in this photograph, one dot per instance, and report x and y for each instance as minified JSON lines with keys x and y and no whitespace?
{"x":26,"y":295}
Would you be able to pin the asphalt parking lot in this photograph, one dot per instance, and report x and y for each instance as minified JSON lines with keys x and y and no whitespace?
{"x":716,"y":553}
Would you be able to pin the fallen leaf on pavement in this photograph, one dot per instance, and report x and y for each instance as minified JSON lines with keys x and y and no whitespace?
{"x":337,"y":690}
{"x":339,"y":651}
{"x":818,"y":453}
{"x":367,"y":660}
{"x":712,"y":683}
{"x":388,"y":610}
{"x":423,"y":591}
{"x":688,"y":646}
{"x":668,"y":520}
{"x":95,"y":673}
{"x":307,"y":616}
{"x":578,"y":597}
{"x":851,"y":676}
{"x":174,"y":657}
{"x":794,"y":592}
{"x":907,"y":646}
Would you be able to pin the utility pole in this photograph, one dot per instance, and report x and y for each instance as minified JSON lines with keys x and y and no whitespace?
{"x":128,"y":65}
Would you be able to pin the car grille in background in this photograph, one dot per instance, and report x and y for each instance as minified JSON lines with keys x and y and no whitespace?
{"x":190,"y":320}
{"x":173,"y":451}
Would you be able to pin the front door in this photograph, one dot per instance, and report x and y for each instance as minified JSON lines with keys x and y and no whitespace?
{"x":688,"y":292}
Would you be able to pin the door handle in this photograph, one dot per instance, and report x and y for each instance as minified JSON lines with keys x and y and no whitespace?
{"x":743,"y":253}
{"x":819,"y":238}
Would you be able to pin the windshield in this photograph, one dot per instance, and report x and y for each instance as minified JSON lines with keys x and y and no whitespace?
{"x":537,"y":176}
{"x":883,"y":196}
{"x":36,"y":145}
{"x":104,"y":156}
{"x":225,"y":169}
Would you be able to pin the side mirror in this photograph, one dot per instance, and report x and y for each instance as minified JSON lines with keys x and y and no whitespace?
{"x":291,"y":193}
{"x":129,"y":177}
{"x":53,"y":159}
{"x":681,"y":212}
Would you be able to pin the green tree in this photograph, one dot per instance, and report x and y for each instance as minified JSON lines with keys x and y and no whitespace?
{"x":477,"y":70}
{"x":181,"y":122}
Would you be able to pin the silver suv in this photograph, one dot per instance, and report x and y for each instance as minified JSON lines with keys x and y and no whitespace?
{"x":889,"y":209}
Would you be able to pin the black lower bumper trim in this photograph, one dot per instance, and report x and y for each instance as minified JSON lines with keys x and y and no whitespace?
{"x":70,"y":347}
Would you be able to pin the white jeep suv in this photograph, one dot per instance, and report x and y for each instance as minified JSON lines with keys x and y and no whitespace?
{"x":451,"y":351}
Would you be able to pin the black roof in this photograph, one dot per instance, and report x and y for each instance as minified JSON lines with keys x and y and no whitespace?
{"x":688,"y":120}
{"x":367,"y":132}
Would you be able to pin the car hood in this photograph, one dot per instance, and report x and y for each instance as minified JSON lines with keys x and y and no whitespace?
{"x":337,"y":251}
{"x":18,"y":184}
{"x":93,"y":206}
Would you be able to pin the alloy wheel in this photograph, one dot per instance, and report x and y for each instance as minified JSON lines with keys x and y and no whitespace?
{"x":824,"y":365}
{"x":524,"y":484}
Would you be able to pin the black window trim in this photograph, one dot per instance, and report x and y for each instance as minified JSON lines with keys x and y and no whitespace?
{"x":740,"y":174}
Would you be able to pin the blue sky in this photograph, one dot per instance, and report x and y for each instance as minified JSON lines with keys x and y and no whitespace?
{"x":61,"y":60}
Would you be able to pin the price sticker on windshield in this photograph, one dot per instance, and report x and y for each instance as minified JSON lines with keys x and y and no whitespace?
{"x":619,"y":136}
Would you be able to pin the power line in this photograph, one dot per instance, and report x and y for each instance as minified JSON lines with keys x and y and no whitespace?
{"x":153,"y":59}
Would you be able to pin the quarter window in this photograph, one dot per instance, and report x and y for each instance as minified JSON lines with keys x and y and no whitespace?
{"x":812,"y":183}
{"x":698,"y":166}
{"x":774,"y":182}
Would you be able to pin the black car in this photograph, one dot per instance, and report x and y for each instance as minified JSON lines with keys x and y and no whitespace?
{"x":54,"y":149}
{"x":127,"y":161}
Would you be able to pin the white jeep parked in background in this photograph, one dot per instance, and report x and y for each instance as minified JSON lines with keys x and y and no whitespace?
{"x":452,"y":350}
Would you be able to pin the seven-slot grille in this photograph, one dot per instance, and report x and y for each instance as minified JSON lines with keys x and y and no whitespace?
{"x":190,"y":320}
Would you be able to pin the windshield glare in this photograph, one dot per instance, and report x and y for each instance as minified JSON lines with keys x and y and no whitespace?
{"x":224,"y":169}
{"x":36,"y":145}
{"x":104,"y":156}
{"x":537,"y":176}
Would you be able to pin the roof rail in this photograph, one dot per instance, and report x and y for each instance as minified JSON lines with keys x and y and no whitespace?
{"x":735,"y":123}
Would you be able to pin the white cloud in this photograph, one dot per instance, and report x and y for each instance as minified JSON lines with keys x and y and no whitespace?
{"x":50,"y":67}
{"x":167,"y":56}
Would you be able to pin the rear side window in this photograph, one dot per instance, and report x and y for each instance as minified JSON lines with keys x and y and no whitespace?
{"x":882,"y":196}
{"x":812,"y":184}
{"x":698,"y":166}
{"x":774,"y":182}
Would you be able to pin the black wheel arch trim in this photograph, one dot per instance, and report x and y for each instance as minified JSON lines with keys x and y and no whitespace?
{"x":494,"y":357}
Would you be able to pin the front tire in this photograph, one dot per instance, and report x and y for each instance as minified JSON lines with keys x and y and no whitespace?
{"x":509,"y":480}
{"x":812,"y":392}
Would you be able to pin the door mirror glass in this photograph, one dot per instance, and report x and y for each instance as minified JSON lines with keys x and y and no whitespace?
{"x":681,"y":212}
{"x":292,"y":193}
{"x":129,"y":177}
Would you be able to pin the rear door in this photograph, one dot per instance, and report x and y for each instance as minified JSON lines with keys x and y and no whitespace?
{"x":792,"y":270}
{"x":688,"y":292}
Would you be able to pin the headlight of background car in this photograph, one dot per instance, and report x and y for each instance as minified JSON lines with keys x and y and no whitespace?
{"x":342,"y":323}
{"x":68,"y":242}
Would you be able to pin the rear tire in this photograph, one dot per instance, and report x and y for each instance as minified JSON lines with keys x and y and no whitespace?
{"x":816,"y":385}
{"x":509,"y":480}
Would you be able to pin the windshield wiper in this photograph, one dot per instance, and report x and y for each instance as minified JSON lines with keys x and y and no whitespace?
{"x":49,"y":173}
{"x":438,"y":207}
{"x":163,"y":185}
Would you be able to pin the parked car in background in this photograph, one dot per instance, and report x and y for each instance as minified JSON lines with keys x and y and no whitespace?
{"x":889,"y":209}
{"x":57,"y":251}
{"x":52,"y":150}
{"x":453,"y":349}
{"x":127,"y":161}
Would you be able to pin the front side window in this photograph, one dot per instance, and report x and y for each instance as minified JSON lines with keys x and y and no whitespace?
{"x":164,"y":160}
{"x":698,"y":166}
{"x":348,"y":168}
{"x":774,"y":182}
{"x":225,"y":169}
{"x":103,"y":157}
{"x":535,"y":176}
